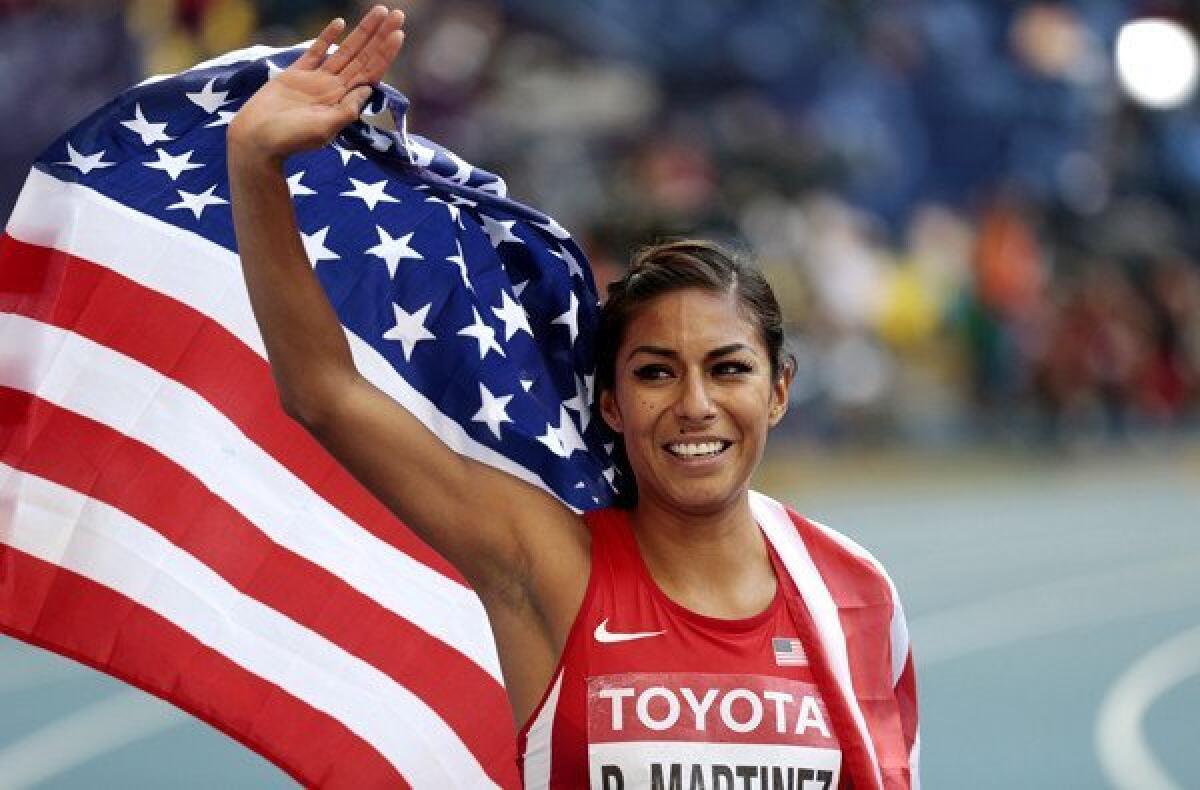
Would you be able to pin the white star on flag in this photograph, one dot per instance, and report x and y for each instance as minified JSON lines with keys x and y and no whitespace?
{"x":492,"y":410}
{"x":197,"y":202}
{"x":580,"y":403}
{"x":392,"y":251}
{"x":452,"y":209}
{"x":553,"y":439}
{"x":150,"y":133}
{"x":223,"y":119}
{"x":568,"y":433}
{"x":371,"y":194}
{"x":297,"y":189}
{"x":518,"y":288}
{"x":346,"y":154}
{"x":458,"y":260}
{"x":483,"y":334}
{"x":499,"y":231}
{"x":208,"y":99}
{"x":315,"y":249}
{"x":570,"y":319}
{"x":173,"y":165}
{"x":84,"y":163}
{"x":527,"y":384}
{"x":409,"y":328}
{"x":513,"y":315}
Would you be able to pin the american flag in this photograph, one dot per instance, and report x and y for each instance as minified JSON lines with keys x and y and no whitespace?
{"x":789,"y":652}
{"x":162,"y":520}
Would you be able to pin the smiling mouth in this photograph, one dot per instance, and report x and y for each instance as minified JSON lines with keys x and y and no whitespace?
{"x":688,"y":450}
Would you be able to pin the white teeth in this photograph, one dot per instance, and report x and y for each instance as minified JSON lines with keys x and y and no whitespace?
{"x":692,"y":450}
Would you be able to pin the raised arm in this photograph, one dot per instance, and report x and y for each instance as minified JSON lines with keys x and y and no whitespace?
{"x":483,"y":521}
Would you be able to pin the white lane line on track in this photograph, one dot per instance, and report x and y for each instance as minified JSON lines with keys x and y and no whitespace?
{"x":1076,"y":602}
{"x":1125,"y":757}
{"x":82,"y":735}
{"x":1057,"y":606}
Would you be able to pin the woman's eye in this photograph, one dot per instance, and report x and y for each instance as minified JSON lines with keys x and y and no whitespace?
{"x":732,"y":368}
{"x":652,"y":372}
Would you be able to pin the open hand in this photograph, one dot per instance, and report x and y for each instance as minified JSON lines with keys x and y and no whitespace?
{"x":308,"y":103}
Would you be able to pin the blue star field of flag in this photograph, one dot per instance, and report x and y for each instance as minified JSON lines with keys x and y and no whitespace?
{"x":484,"y":305}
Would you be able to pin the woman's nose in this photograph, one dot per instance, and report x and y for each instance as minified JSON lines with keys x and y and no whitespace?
{"x":695,"y":402}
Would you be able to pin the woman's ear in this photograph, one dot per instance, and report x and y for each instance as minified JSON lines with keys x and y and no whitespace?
{"x":779,"y":392}
{"x":610,"y":411}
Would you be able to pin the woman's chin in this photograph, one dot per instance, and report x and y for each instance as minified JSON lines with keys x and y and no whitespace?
{"x":699,"y":498}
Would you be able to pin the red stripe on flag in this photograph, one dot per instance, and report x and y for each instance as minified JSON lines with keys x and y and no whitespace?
{"x":184,"y":344}
{"x":92,"y":458}
{"x":61,"y":611}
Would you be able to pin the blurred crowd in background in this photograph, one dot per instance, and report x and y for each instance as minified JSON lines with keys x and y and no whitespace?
{"x":976,"y":236}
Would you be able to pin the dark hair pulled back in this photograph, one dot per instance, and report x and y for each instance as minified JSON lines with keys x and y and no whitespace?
{"x":665,"y":268}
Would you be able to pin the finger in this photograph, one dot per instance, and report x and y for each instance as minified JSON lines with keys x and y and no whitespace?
{"x":375,"y":60}
{"x":376,"y":56}
{"x":380,"y":58}
{"x":354,"y":43}
{"x":315,"y":53}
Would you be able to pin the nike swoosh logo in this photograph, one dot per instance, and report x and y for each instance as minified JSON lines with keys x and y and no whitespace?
{"x":604,"y":636}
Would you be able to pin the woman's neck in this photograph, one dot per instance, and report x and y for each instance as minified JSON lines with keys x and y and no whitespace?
{"x":712,"y":563}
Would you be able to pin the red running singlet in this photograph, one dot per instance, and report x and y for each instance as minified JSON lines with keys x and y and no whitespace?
{"x":648,"y":694}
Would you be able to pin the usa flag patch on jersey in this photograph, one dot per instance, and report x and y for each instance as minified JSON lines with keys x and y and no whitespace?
{"x":789,"y":652}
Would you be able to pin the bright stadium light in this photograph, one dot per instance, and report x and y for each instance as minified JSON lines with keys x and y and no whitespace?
{"x":1157,"y":62}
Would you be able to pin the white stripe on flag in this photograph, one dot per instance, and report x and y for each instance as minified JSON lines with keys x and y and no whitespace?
{"x":204,"y":276}
{"x":162,"y":257}
{"x":107,"y":546}
{"x":539,"y":741}
{"x":90,"y":379}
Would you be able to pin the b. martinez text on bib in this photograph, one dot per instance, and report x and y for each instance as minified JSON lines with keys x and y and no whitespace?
{"x":693,"y":731}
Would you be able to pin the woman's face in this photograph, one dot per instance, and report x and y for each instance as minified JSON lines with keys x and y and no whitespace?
{"x":693,"y":398}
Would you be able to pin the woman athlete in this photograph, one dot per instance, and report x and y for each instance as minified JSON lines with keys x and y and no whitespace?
{"x":662,"y":644}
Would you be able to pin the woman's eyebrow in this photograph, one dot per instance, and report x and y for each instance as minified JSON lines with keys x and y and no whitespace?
{"x":657,"y":351}
{"x":660,"y":351}
{"x":732,"y":348}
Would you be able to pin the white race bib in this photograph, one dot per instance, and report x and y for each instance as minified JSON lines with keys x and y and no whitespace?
{"x":698,"y":731}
